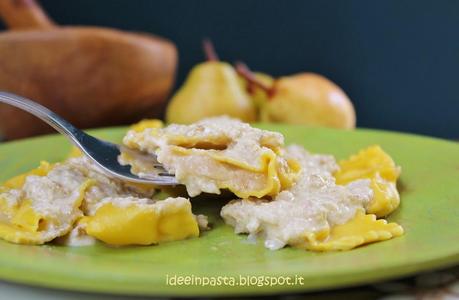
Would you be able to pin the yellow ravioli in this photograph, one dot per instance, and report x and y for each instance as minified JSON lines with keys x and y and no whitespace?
{"x":24,"y":220}
{"x":145,"y":124}
{"x":56,"y":195}
{"x":214,"y":154}
{"x":143,"y":187}
{"x":362,"y":229}
{"x":386,"y":198}
{"x":366,"y":164}
{"x":216,"y":142}
{"x":28,"y":227}
{"x":277,"y":177}
{"x":374,"y":164}
{"x":146,"y":224}
{"x":289,"y":173}
{"x":24,"y":225}
{"x":18,"y":181}
{"x":74,"y":152}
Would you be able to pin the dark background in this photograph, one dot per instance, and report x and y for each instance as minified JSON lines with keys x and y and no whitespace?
{"x":397,"y":60}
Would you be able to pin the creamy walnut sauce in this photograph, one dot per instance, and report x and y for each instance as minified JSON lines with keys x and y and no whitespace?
{"x":315,"y":203}
{"x":214,"y":154}
{"x":52,"y":204}
{"x":287,"y":195}
{"x":283,"y":195}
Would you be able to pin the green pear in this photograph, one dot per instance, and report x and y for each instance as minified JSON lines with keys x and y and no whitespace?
{"x":211,"y":89}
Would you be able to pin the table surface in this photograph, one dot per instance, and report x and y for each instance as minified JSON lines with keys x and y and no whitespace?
{"x":439,"y":284}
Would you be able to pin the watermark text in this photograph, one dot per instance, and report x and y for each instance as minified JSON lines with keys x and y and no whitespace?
{"x":241,"y":280}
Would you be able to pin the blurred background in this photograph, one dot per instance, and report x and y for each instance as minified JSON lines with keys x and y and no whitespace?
{"x":396,"y":60}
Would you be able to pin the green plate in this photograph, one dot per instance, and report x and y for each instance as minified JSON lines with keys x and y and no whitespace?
{"x":429,"y":213}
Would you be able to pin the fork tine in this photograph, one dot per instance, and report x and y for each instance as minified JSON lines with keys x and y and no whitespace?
{"x":166,"y":175}
{"x":162,"y":180}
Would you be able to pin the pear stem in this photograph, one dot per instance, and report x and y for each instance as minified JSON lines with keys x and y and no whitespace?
{"x":209,"y":50}
{"x":243,"y":70}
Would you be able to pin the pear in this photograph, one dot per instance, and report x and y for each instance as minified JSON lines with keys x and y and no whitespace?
{"x":258,"y":96}
{"x":256,"y":84}
{"x":212,"y":88}
{"x":261,"y":98}
{"x":305,"y":98}
{"x":311,"y":99}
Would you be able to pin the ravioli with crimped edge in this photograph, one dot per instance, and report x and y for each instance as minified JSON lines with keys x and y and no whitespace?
{"x":74,"y":203}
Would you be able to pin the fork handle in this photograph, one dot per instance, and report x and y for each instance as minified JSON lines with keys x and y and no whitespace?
{"x":38,"y":110}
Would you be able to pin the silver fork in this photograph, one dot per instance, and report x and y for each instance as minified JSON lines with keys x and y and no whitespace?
{"x":103,"y":153}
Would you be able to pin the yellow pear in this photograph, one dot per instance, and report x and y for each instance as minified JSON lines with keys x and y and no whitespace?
{"x":212,"y":88}
{"x":305,"y":98}
{"x":256,"y":84}
{"x":310,"y":99}
{"x":260,"y":98}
